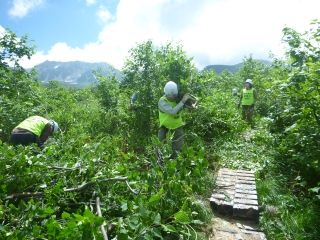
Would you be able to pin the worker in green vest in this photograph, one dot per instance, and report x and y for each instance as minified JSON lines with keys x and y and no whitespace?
{"x":170,"y":117}
{"x":34,"y":129}
{"x":247,"y":100}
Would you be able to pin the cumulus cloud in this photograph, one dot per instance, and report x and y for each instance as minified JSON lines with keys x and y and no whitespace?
{"x":212,"y":31}
{"x":90,"y":2}
{"x":2,"y":30}
{"x":104,"y":15}
{"x":21,"y":8}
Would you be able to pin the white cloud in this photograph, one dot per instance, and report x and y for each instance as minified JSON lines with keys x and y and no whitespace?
{"x":90,"y":2}
{"x":213,"y":31}
{"x":103,"y":14}
{"x":2,"y":30}
{"x":21,"y":8}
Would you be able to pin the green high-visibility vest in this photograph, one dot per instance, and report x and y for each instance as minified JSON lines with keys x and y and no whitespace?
{"x":247,"y":96}
{"x":170,"y":121}
{"x":34,"y":124}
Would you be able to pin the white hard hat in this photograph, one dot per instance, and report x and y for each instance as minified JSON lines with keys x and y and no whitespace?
{"x":171,"y":88}
{"x":55,"y":125}
{"x":234,"y":91}
{"x":248,"y":81}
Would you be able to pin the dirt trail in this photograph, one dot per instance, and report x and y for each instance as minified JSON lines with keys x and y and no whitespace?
{"x":226,"y":228}
{"x":229,"y":228}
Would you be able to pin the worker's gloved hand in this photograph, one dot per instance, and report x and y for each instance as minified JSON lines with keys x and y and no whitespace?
{"x":238,"y":105}
{"x":185,"y":97}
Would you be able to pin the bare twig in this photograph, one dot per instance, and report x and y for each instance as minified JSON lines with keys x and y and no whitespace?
{"x":93,"y":194}
{"x":25,"y":195}
{"x":194,"y":232}
{"x":62,"y":168}
{"x":131,"y":188}
{"x":83,"y":186}
{"x":75,"y":189}
{"x":195,"y":104}
{"x":104,"y":233}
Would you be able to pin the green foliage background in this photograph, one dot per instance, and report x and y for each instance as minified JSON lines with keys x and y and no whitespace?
{"x":116,"y":152}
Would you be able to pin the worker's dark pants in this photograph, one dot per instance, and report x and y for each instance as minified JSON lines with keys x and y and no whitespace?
{"x":24,"y":138}
{"x":247,"y":112}
{"x":176,"y":142}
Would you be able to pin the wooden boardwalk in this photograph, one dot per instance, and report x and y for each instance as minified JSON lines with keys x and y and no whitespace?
{"x":236,"y":197}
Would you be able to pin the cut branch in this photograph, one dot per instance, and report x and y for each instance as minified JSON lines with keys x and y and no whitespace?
{"x":103,"y":231}
{"x":25,"y":195}
{"x":131,"y":188}
{"x":84,"y":186}
{"x":62,"y":168}
{"x":76,"y":189}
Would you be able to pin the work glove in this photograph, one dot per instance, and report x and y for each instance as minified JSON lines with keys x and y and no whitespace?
{"x":238,"y":105}
{"x":185,"y":97}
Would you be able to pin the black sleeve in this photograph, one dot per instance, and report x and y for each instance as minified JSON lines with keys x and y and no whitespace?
{"x":40,"y":143}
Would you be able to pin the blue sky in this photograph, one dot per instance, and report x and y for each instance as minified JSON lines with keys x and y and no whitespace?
{"x":211,"y":31}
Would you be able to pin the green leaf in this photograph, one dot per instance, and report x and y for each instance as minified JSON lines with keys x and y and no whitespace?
{"x":154,"y":200}
{"x":124,"y":206}
{"x":196,"y":172}
{"x":168,"y":228}
{"x":197,"y":222}
{"x":87,"y":213}
{"x":87,"y":233}
{"x":143,"y":211}
{"x":156,"y":233}
{"x":148,"y":237}
{"x":133,"y":222}
{"x":190,"y":152}
{"x":2,"y":228}
{"x":49,"y":210}
{"x":201,"y":153}
{"x":181,"y":217}
{"x":156,"y":218}
{"x":315,"y":189}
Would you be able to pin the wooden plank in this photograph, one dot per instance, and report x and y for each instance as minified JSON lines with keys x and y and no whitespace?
{"x":225,"y":230}
{"x":246,"y":187}
{"x":240,"y":181}
{"x":246,"y":196}
{"x":244,"y":191}
{"x":245,"y":201}
{"x":246,"y":178}
{"x":246,"y":211}
{"x":235,"y":194}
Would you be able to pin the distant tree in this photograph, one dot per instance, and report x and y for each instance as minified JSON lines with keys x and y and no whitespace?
{"x":19,"y":90}
{"x":298,"y":119}
{"x":146,"y":70}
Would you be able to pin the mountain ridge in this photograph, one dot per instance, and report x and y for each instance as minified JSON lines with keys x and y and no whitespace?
{"x":219,"y":68}
{"x":75,"y":73}
{"x":79,"y":73}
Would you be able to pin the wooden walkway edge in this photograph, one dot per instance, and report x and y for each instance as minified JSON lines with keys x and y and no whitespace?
{"x":236,"y":196}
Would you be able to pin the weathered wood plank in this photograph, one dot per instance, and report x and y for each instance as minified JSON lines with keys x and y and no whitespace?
{"x":246,"y":211}
{"x":246,"y":196}
{"x":235,"y":194}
